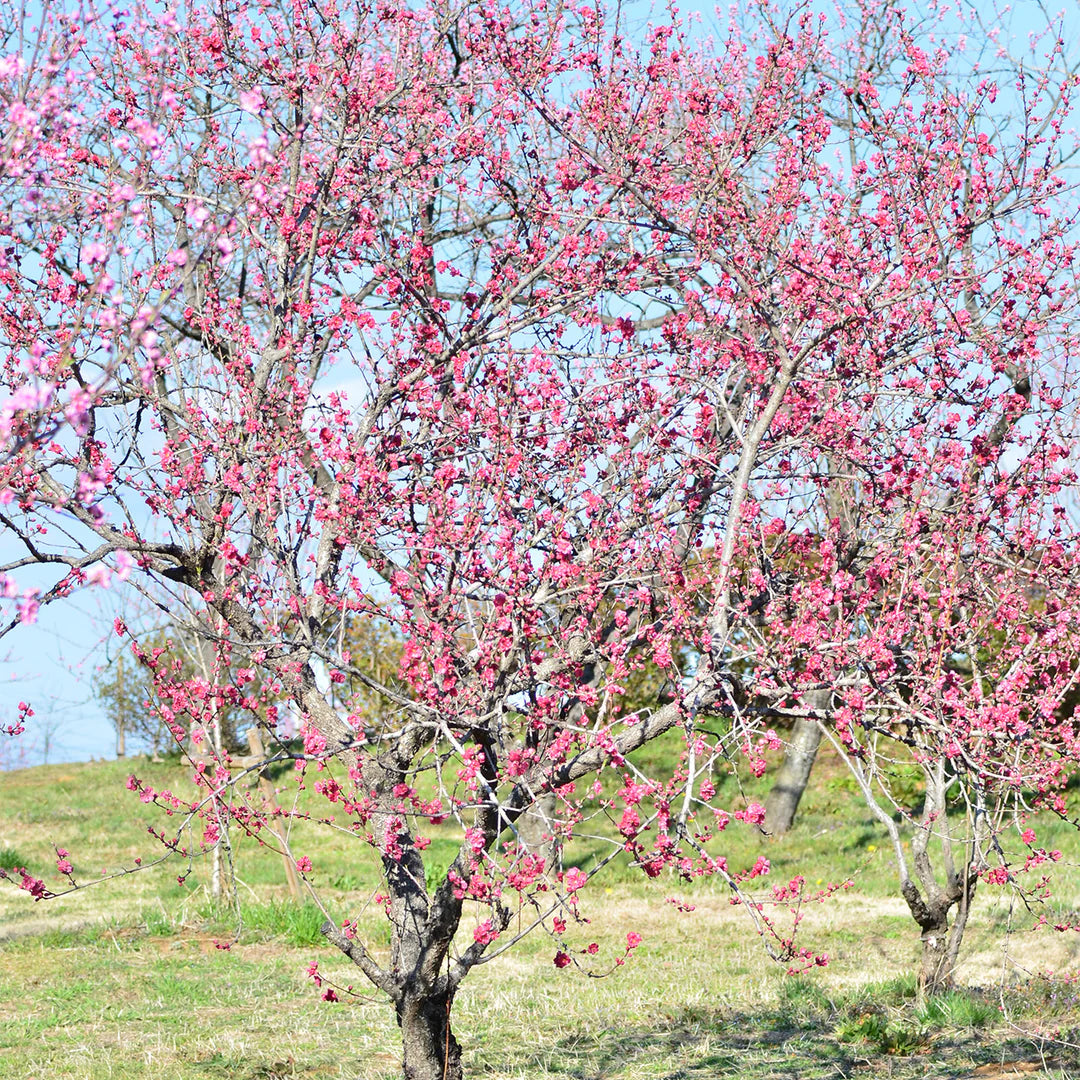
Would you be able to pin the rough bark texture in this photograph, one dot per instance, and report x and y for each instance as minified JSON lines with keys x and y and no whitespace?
{"x":794,"y":773}
{"x":431,"y":1051}
{"x":936,"y":967}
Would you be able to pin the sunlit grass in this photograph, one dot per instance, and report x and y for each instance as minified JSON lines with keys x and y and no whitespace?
{"x":129,"y":978}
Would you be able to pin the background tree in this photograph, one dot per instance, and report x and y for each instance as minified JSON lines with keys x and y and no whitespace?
{"x":124,"y":698}
{"x":491,"y":327}
{"x":127,"y":694}
{"x":982,"y":489}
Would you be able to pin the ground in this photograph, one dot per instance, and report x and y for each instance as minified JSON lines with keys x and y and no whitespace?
{"x":126,"y":979}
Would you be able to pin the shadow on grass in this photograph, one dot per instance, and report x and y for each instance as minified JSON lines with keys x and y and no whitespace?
{"x":696,"y":1044}
{"x":808,"y":1038}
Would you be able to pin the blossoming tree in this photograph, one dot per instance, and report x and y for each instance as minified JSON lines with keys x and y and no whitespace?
{"x":919,"y":607}
{"x":489,"y":325}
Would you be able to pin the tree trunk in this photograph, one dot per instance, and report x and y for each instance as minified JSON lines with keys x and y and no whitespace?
{"x":121,"y":708}
{"x":794,"y":772}
{"x":222,"y":879}
{"x":431,"y":1051}
{"x":936,"y":968}
{"x":535,"y":830}
{"x":939,"y":947}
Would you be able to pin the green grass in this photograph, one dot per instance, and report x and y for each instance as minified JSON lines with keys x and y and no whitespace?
{"x":296,"y":924}
{"x":128,"y":979}
{"x":958,"y":1009}
{"x":139,"y":1006}
{"x":10,"y":859}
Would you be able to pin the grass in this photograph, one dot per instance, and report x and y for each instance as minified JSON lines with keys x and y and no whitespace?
{"x":135,"y":1005}
{"x":958,"y":1009}
{"x":10,"y":859}
{"x":128,"y":979}
{"x":295,"y":924}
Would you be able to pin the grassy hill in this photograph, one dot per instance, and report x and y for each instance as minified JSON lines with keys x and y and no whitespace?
{"x":126,"y":978}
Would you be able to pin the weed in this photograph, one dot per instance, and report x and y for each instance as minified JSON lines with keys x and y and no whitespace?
{"x":346,"y":883}
{"x":889,"y":993}
{"x":884,"y":1035}
{"x":803,"y":1003}
{"x":70,"y":938}
{"x":298,"y":924}
{"x":10,"y":859}
{"x":958,"y":1009}
{"x":158,"y":923}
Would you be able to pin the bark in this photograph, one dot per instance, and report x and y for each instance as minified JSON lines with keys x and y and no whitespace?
{"x":792,"y":778}
{"x":535,"y":829}
{"x":956,"y":936}
{"x":931,"y":905}
{"x":938,"y":950}
{"x":938,"y":956}
{"x":794,"y":773}
{"x":431,"y":1051}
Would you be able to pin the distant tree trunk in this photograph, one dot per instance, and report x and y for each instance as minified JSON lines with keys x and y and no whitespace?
{"x":222,"y":882}
{"x":121,"y":708}
{"x":794,"y":773}
{"x":536,"y":826}
{"x":273,"y":821}
{"x":536,"y":831}
{"x":930,"y":908}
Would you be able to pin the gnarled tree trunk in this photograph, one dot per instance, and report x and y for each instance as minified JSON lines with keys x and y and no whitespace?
{"x":931,"y":905}
{"x":431,"y":1051}
{"x":935,"y":968}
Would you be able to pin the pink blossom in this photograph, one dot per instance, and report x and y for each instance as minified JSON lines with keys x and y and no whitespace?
{"x":251,"y":100}
{"x":754,"y":814}
{"x":28,"y":608}
{"x":99,"y":574}
{"x":34,"y":886}
{"x":434,"y":446}
{"x":760,"y":867}
{"x":630,"y":822}
{"x":485,"y":933}
{"x":574,"y":879}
